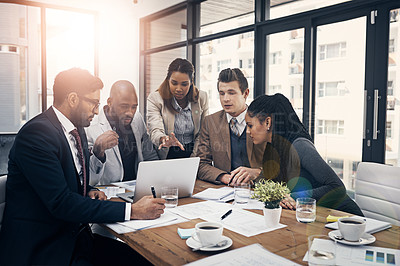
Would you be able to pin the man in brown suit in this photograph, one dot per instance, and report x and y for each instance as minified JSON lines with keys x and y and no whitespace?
{"x":227,"y":153}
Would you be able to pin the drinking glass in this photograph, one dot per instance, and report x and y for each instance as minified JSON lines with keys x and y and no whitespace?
{"x":170,"y":194}
{"x":321,"y":250}
{"x":242,"y":193}
{"x":305,"y":210}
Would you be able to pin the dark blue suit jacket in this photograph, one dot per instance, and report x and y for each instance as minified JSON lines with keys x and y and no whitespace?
{"x":44,"y":202}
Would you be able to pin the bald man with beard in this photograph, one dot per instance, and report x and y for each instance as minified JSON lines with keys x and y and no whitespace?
{"x":119,"y":138}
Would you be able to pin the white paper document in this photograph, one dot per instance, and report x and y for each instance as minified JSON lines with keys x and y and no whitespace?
{"x":253,"y":204}
{"x":223,"y":194}
{"x":112,"y":192}
{"x":199,"y":209}
{"x":373,"y":225}
{"x":129,"y":185}
{"x":361,"y":255}
{"x":242,"y":222}
{"x":249,"y":255}
{"x":167,"y":218}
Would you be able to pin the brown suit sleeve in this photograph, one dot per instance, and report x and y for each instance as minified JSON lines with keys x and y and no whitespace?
{"x":207,"y":171}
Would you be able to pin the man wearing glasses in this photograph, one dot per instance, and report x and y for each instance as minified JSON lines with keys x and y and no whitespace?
{"x":49,"y":201}
{"x":119,"y":138}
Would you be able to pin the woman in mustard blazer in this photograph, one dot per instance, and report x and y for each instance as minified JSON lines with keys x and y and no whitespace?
{"x":175,"y":112}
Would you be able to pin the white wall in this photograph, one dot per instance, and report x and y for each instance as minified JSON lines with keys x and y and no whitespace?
{"x":118,"y":35}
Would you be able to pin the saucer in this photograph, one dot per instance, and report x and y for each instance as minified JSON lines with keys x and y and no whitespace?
{"x":364,"y":240}
{"x":191,"y":242}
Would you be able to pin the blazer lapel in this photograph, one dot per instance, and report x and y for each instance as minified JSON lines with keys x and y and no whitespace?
{"x":195,"y":106}
{"x":225,"y":137}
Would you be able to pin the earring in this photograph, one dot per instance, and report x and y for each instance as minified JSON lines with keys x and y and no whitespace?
{"x":267,"y":128}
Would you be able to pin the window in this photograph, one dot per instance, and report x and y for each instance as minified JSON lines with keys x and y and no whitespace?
{"x":391,"y":46}
{"x":275,"y":58}
{"x":273,"y":89}
{"x":222,"y":64}
{"x":296,"y":92}
{"x":329,"y":51}
{"x":331,"y":127}
{"x":222,"y":15}
{"x":336,"y":88}
{"x":225,"y":53}
{"x":388,"y":129}
{"x":250,"y":62}
{"x":390,"y":88}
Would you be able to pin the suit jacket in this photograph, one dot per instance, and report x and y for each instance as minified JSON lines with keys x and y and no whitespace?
{"x":112,"y":170}
{"x":44,"y":203}
{"x":161,"y":120}
{"x":215,"y":148}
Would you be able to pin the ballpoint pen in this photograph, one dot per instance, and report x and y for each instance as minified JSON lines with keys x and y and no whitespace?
{"x":226,"y":214}
{"x":153,"y":192}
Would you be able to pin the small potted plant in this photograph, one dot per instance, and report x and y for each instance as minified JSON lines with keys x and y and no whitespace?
{"x":271,"y":193}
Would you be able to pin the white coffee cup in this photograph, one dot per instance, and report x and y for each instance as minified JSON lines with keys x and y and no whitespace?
{"x":352,"y":228}
{"x":209,"y":233}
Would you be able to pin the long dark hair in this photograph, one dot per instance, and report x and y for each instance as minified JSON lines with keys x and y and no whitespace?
{"x":286,"y":127}
{"x":183,"y":66}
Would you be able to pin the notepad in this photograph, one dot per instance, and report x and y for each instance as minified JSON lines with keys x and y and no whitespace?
{"x":185,"y":233}
{"x":373,"y":226}
{"x":220,"y":194}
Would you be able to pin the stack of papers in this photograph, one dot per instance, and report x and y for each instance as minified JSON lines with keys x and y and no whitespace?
{"x":373,"y":226}
{"x":223,"y":194}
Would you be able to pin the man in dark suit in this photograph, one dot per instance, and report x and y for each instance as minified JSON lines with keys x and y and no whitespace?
{"x":48,"y":200}
{"x":227,"y":153}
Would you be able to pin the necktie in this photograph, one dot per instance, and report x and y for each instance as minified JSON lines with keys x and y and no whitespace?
{"x":75,"y":134}
{"x":234,"y":126}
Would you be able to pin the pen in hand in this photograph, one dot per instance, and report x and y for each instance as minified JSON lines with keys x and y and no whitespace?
{"x":226,"y":214}
{"x":153,"y":192}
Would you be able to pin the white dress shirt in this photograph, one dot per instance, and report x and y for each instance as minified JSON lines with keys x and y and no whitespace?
{"x":241,"y":122}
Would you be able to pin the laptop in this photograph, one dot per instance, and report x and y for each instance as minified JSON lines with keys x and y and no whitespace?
{"x":180,"y":173}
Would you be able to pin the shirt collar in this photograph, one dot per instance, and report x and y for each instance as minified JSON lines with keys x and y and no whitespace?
{"x":177,"y":107}
{"x":65,"y":122}
{"x":240,"y":118}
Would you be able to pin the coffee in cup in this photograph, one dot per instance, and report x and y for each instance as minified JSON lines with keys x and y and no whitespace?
{"x":209,"y":233}
{"x":352,"y":228}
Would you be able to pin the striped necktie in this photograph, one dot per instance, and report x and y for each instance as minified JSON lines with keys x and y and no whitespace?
{"x":234,"y":126}
{"x":75,"y":134}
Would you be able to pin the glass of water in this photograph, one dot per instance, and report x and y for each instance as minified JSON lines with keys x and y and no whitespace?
{"x":305,"y":210}
{"x":242,"y":193}
{"x":170,"y":194}
{"x":321,"y":250}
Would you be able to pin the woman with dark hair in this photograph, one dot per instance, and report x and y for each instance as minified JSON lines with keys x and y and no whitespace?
{"x":175,"y":112}
{"x":291,"y":157}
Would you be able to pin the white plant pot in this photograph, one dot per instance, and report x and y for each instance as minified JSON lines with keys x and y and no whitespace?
{"x":272,"y":216}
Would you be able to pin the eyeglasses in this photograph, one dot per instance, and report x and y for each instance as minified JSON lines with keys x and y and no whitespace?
{"x":95,"y":103}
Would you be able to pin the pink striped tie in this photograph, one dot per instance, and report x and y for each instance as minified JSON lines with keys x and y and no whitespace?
{"x":75,"y":134}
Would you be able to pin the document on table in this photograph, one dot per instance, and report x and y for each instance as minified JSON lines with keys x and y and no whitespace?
{"x":199,"y":209}
{"x":129,"y":185}
{"x":373,"y":226}
{"x":249,"y":255}
{"x":362,"y":255}
{"x":111,"y":192}
{"x":167,"y":218}
{"x":242,"y":222}
{"x":253,"y":204}
{"x":223,"y":194}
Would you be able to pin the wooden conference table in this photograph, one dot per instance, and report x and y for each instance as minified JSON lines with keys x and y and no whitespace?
{"x":163,"y":246}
